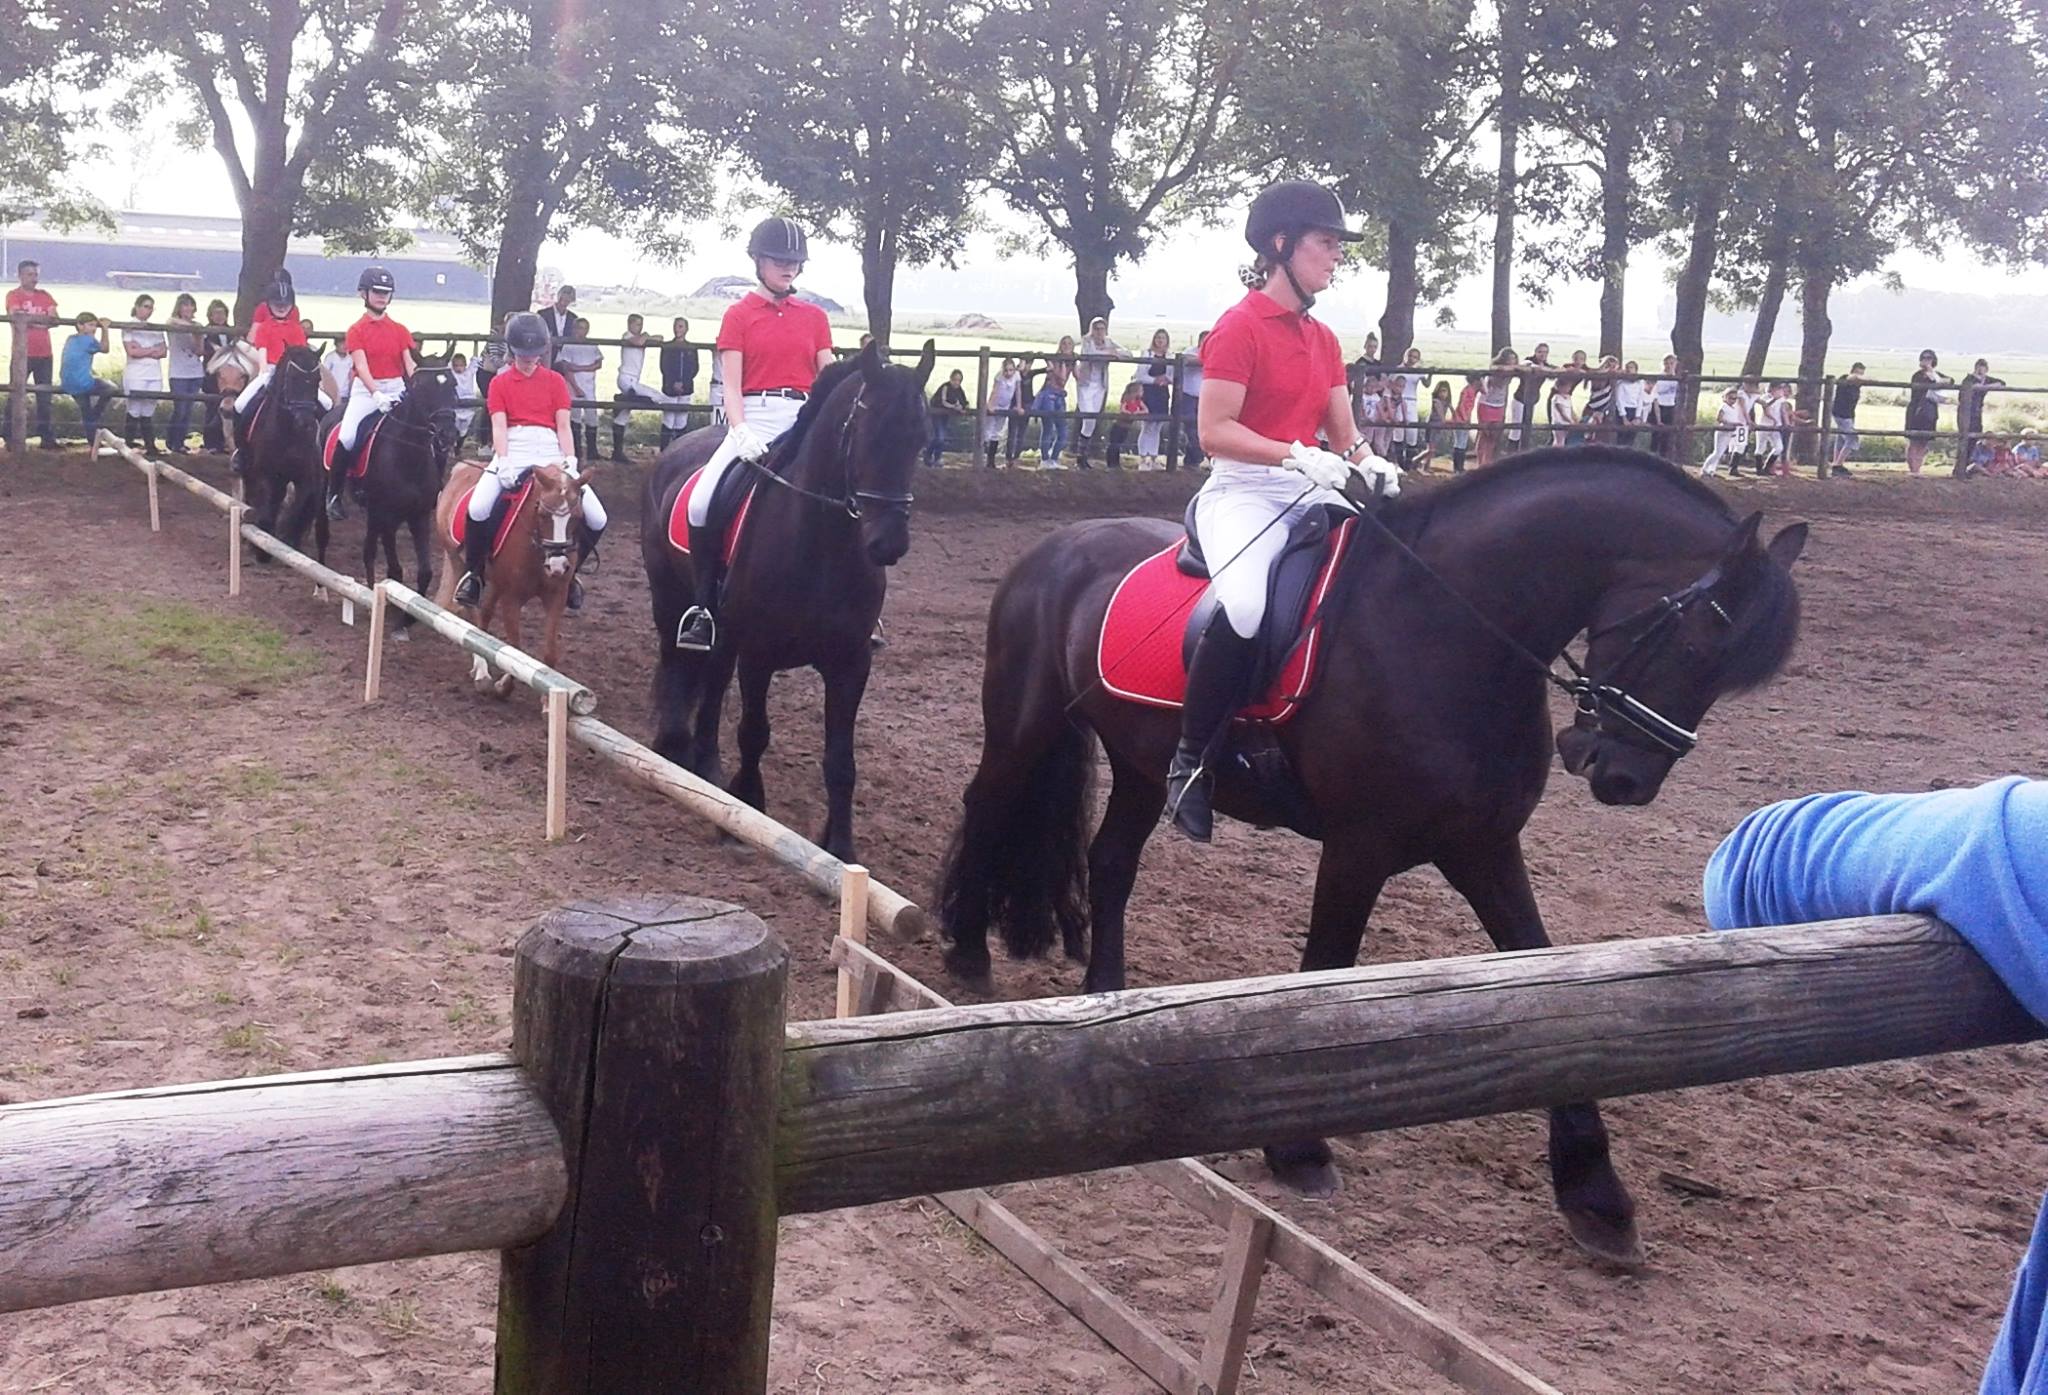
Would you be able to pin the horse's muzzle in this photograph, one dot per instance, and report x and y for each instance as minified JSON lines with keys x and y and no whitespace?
{"x":1618,"y":773}
{"x":885,"y":536}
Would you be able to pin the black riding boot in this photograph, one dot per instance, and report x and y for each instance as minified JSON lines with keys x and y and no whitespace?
{"x":476,"y":556}
{"x":584,"y":552}
{"x":699,"y":628}
{"x":1218,"y":680}
{"x":619,"y":443}
{"x":990,"y":450}
{"x":148,"y":435}
{"x":590,"y":451}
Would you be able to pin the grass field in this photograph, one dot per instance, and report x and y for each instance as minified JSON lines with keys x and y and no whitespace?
{"x":1882,"y":408}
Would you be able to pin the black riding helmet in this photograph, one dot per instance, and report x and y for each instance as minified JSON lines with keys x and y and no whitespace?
{"x":526,"y":335}
{"x":376,"y":278}
{"x":780,"y":238}
{"x":1287,"y":210}
{"x":282,"y":295}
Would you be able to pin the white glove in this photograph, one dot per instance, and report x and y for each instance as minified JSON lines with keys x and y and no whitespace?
{"x":747,"y":442}
{"x":1381,"y":478}
{"x":1322,"y":468}
{"x":385,"y":400}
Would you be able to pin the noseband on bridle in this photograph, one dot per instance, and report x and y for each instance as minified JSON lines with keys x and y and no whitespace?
{"x":851,"y":498}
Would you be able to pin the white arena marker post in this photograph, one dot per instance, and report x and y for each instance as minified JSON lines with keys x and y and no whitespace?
{"x":156,"y":518}
{"x":557,"y":703}
{"x":853,"y":925}
{"x":234,"y":549}
{"x":373,"y":677}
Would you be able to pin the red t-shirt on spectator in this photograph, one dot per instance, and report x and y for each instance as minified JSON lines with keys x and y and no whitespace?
{"x":528,"y":399}
{"x":273,"y":335}
{"x":778,"y":344}
{"x":1287,"y":363}
{"x":384,"y":343}
{"x":35,"y":302}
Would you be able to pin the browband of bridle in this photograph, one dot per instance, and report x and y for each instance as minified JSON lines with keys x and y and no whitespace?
{"x":851,"y":499}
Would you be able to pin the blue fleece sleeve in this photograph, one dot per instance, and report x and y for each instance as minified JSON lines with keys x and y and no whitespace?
{"x":1976,"y":858}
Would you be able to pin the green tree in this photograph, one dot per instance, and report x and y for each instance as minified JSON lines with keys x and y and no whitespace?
{"x":1109,"y":118}
{"x":844,"y":124}
{"x":306,"y":103}
{"x":563,"y":113}
{"x":36,"y":65}
{"x":1371,"y":95}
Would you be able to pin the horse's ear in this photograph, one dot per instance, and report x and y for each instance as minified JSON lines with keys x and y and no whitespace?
{"x":1784,"y":549}
{"x":870,"y":361}
{"x":586,"y":473}
{"x":1744,"y":536}
{"x":925,"y":361}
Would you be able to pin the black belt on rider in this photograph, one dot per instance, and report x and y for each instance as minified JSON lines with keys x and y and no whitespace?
{"x":794,"y":394}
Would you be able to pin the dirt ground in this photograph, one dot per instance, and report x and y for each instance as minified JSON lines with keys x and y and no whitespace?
{"x":219,"y":863}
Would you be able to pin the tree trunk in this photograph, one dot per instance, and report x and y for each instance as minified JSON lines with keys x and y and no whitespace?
{"x":1815,"y":329}
{"x":517,"y":265}
{"x":1616,"y":225}
{"x":1091,"y":285}
{"x":1397,"y":322}
{"x":266,"y":232}
{"x":1513,"y":61}
{"x":878,"y":277}
{"x":1767,"y":305}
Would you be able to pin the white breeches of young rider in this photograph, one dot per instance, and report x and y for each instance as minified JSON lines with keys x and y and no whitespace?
{"x":631,"y":386}
{"x":1088,"y":400}
{"x":1235,"y":515}
{"x":526,"y":447}
{"x":769,"y":418}
{"x":362,"y":404}
{"x":256,"y":384}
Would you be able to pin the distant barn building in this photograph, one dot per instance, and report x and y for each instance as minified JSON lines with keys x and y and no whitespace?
{"x":734,"y":287}
{"x":177,"y":251}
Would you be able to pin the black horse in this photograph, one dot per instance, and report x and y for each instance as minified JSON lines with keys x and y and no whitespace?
{"x":408,"y":455}
{"x":1425,"y":739}
{"x":830,"y":511}
{"x":281,"y":448}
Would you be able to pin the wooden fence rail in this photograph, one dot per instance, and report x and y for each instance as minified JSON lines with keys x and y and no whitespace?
{"x":149,"y":1189}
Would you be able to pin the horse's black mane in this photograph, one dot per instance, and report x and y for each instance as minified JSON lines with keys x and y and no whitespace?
{"x":1419,"y":507}
{"x":828,"y":381}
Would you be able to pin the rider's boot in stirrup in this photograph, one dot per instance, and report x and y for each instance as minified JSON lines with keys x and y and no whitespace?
{"x":699,"y":629}
{"x":584,"y":553}
{"x":1218,"y":680}
{"x":476,"y":556}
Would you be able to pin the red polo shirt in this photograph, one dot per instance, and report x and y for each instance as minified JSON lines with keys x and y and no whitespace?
{"x":528,"y":399}
{"x":35,"y":302}
{"x":1287,"y":363}
{"x":384,"y":343}
{"x":274,"y":335}
{"x":778,"y":344}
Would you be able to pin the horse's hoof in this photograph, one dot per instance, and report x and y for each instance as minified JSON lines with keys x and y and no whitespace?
{"x":1315,"y":1180}
{"x":970,"y":970}
{"x":1608,"y":1241}
{"x":401,"y":636}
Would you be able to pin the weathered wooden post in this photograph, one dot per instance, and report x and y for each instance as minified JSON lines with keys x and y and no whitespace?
{"x":1824,"y":425}
{"x":17,"y":384}
{"x":1966,"y":439}
{"x":653,"y":1030}
{"x":980,"y":409}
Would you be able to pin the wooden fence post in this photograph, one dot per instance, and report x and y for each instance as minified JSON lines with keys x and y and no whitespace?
{"x":17,"y":385}
{"x":1966,"y":439}
{"x":853,"y":925}
{"x":556,"y":701}
{"x":1173,"y":418}
{"x":1822,"y":463}
{"x":980,"y":409}
{"x":235,"y":549}
{"x":653,"y":1029}
{"x":373,"y":675}
{"x":156,"y":517}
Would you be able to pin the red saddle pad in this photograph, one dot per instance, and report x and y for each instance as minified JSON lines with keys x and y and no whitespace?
{"x":360,"y":466}
{"x":1138,"y":653}
{"x":679,"y":519}
{"x":458,"y":522}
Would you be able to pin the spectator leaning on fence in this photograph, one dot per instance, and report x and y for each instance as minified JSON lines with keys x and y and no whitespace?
{"x":678,"y":379}
{"x":1091,"y":377}
{"x":186,"y":368}
{"x":1663,"y":413}
{"x":1188,"y":405}
{"x":1409,"y":381}
{"x":218,"y":336}
{"x":1461,"y":439}
{"x":1970,"y":406}
{"x":578,"y":361}
{"x":1002,"y":411}
{"x":1496,"y":396}
{"x":143,"y":371}
{"x":1629,"y":397}
{"x":1048,"y":402}
{"x":29,"y":298}
{"x":632,"y":363}
{"x":75,"y":374}
{"x":466,"y":393}
{"x":1923,"y":408}
{"x":949,"y":404}
{"x":1842,"y":410}
{"x":1156,"y":387}
{"x":1528,"y":394}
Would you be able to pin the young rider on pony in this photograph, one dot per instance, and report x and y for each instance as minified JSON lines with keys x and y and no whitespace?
{"x":1272,"y":380}
{"x":380,"y":349}
{"x":770,"y":346}
{"x":273,"y":328}
{"x":529,"y":407}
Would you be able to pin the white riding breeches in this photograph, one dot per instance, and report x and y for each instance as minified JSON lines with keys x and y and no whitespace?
{"x":631,"y":386}
{"x":362,"y":404}
{"x":769,"y":418}
{"x":526,"y":447}
{"x":256,"y":384}
{"x":1242,"y":517}
{"x":1088,"y":400}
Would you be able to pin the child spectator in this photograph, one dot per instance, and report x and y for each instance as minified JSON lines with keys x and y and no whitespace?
{"x":579,"y":360}
{"x":1663,"y":416}
{"x":1461,"y":439}
{"x":1003,"y":408}
{"x":1600,"y":401}
{"x":1731,"y":435}
{"x":2026,"y":455}
{"x":186,"y":368}
{"x":1408,"y":384}
{"x":218,"y":336}
{"x":1438,"y":440}
{"x":1923,"y":408}
{"x":948,"y":403}
{"x":1778,"y":418}
{"x":145,"y":351}
{"x":1496,"y":400}
{"x":1848,"y":393}
{"x":1157,"y":387}
{"x":1749,"y":393}
{"x":337,"y":369}
{"x":76,"y":377}
{"x":1630,"y":396}
{"x":465,"y":392}
{"x":1120,"y":430}
{"x":678,"y":380}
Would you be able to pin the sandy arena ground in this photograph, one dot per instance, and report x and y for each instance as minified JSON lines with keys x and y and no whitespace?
{"x":218,"y":863}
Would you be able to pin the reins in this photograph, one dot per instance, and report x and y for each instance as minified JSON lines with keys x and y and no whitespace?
{"x":850,"y":500}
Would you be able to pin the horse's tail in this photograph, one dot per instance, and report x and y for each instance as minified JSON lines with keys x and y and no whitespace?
{"x":1019,"y":859}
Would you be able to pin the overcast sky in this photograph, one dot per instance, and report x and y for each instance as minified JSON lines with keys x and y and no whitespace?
{"x":1188,"y":277}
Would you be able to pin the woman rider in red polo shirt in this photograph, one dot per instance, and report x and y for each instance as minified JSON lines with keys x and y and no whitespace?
{"x":770,"y":348}
{"x":529,"y":410}
{"x":1272,"y":380}
{"x":273,"y":328}
{"x":381,"y":350}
